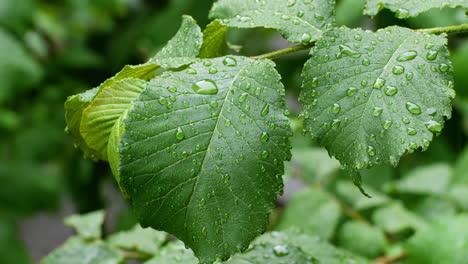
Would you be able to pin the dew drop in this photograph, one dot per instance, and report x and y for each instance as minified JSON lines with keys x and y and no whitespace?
{"x":281,"y":250}
{"x":397,"y":70}
{"x":265,"y":154}
{"x":265,"y":110}
{"x":434,"y":126}
{"x":411,"y":131}
{"x":229,"y":61}
{"x":351,"y":91}
{"x":443,"y":67}
{"x":402,"y":13}
{"x":390,"y":90}
{"x":172,"y":89}
{"x":348,"y":51}
{"x":180,"y":134}
{"x":413,"y":108}
{"x":379,"y":83}
{"x":264,"y":137}
{"x":432,"y":55}
{"x":377,"y":111}
{"x":306,"y":38}
{"x":335,"y":124}
{"x":371,"y":151}
{"x":243,"y":97}
{"x":207,"y":87}
{"x":387,"y":124}
{"x":336,"y":108}
{"x":409,"y":55}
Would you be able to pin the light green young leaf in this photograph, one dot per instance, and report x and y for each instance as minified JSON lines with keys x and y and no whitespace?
{"x":445,"y":242}
{"x":298,"y":21}
{"x":312,"y":246}
{"x":203,"y":150}
{"x":174,"y":253}
{"x":99,"y":118}
{"x":214,"y":40}
{"x":363,"y":239}
{"x":395,"y":218}
{"x":431,"y":179}
{"x":88,"y":226}
{"x":183,"y":48}
{"x":313,"y":211}
{"x":371,"y":97}
{"x":348,"y":191}
{"x":314,"y":164}
{"x":83,"y":253}
{"x":410,"y":8}
{"x":142,"y":240}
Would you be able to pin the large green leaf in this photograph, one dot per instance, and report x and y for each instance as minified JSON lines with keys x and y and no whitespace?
{"x":410,"y":8}
{"x":203,"y":150}
{"x":445,"y":242}
{"x":395,"y":218}
{"x":432,"y":179}
{"x":370,"y":97}
{"x":313,"y":211}
{"x":298,"y":21}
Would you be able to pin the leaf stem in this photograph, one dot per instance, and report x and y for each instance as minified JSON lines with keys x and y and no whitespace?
{"x":282,"y":52}
{"x":449,"y":29}
{"x":390,"y":260}
{"x":135,"y":255}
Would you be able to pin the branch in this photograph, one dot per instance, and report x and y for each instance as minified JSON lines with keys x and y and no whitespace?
{"x":390,"y":260}
{"x":450,"y":29}
{"x":278,"y":53}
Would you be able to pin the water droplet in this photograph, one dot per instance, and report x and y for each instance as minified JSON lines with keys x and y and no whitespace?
{"x":243,"y":97}
{"x":180,"y":134}
{"x":348,"y":51}
{"x":264,"y":137}
{"x":405,"y":120}
{"x":172,"y":89}
{"x":336,"y":108}
{"x":300,"y":13}
{"x":265,"y":110}
{"x":390,"y":90}
{"x":265,"y":154}
{"x":409,"y":55}
{"x":213,"y":70}
{"x":412,"y":131}
{"x":315,"y":82}
{"x":336,"y":123}
{"x":306,"y":38}
{"x":364,"y":83}
{"x":379,"y":83}
{"x":162,"y":100}
{"x":230,"y":61}
{"x":281,"y":250}
{"x":443,"y":67}
{"x":432,"y":55}
{"x":291,"y":3}
{"x":413,"y":108}
{"x":351,"y":91}
{"x":207,"y":87}
{"x":397,"y":70}
{"x":358,"y":37}
{"x":402,"y":13}
{"x":387,"y":124}
{"x":409,"y":76}
{"x":202,"y":201}
{"x":434,"y":126}
{"x":366,"y":62}
{"x":377,"y":111}
{"x":371,"y":151}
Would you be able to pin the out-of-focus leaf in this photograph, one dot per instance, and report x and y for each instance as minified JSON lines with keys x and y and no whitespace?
{"x":445,"y":242}
{"x":174,"y":253}
{"x":395,"y":218}
{"x":349,"y":12}
{"x":11,"y":249}
{"x":439,"y":18}
{"x":274,"y":254}
{"x":431,"y":179}
{"x":433,"y":207}
{"x":75,"y":252}
{"x":362,"y":239}
{"x":313,"y":211}
{"x":313,"y":246}
{"x":315,"y":164}
{"x":18,"y":70}
{"x":410,"y":8}
{"x":349,"y":193}
{"x":88,"y":226}
{"x":459,"y":58}
{"x":15,"y":15}
{"x":142,"y":240}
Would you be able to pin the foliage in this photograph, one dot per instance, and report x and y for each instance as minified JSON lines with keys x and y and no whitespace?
{"x":202,"y":135}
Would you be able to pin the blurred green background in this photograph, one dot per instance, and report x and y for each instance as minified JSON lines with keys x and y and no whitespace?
{"x":51,"y":49}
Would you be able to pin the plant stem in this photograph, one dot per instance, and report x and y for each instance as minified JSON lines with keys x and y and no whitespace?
{"x":135,"y":255}
{"x":282,"y":52}
{"x":450,"y":29}
{"x":390,"y":260}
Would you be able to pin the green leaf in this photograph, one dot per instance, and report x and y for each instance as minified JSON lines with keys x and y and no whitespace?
{"x":348,"y":192}
{"x":362,"y":239}
{"x":313,"y":246}
{"x":273,"y":254}
{"x":88,"y":226}
{"x":82,"y":253}
{"x":12,"y":249}
{"x":370,"y":97}
{"x":410,"y":8}
{"x":431,"y":179}
{"x":314,"y":164}
{"x":445,"y":242}
{"x":203,"y":150}
{"x":142,"y":240}
{"x":313,"y":211}
{"x":183,"y":47}
{"x":461,"y":167}
{"x":298,"y":21}
{"x":214,"y":40}
{"x":459,"y":57}
{"x":395,"y":218}
{"x":174,"y":253}
{"x":110,"y":102}
{"x":349,"y":12}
